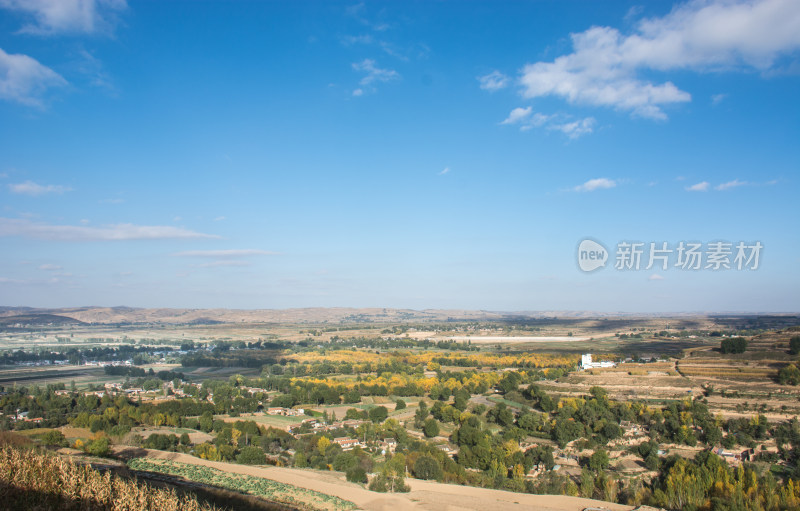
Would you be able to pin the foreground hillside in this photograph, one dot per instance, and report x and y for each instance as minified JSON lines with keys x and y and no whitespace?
{"x":31,"y":480}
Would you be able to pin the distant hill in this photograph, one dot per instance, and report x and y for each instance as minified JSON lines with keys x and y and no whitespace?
{"x":38,"y":320}
{"x":338,"y":315}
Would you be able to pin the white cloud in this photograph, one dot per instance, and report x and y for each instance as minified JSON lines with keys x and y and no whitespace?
{"x":50,"y":267}
{"x":731,"y":184}
{"x":526,"y":119}
{"x":219,"y":219}
{"x":518,"y":115}
{"x":493,"y":81}
{"x":575,"y":129}
{"x":372,"y":75}
{"x":702,"y":35}
{"x":29,"y":229}
{"x":24,"y":80}
{"x":444,"y":171}
{"x":67,"y":16}
{"x":595,"y":184}
{"x":224,"y":253}
{"x":655,"y":276}
{"x":31,"y":188}
{"x":699,"y":187}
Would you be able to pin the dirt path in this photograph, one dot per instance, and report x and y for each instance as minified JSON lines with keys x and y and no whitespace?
{"x":424,"y":495}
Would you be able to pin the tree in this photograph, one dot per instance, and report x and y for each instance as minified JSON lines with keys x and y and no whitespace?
{"x":427,"y":467}
{"x":430,"y":427}
{"x":400,"y":404}
{"x":794,"y":345}
{"x":789,"y":375}
{"x":251,"y":456}
{"x":322,"y":444}
{"x":357,"y":475}
{"x":54,"y":437}
{"x":378,"y":414}
{"x":599,"y":460}
{"x":99,"y":447}
{"x":733,"y":345}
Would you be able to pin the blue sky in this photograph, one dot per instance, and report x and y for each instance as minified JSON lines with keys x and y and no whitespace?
{"x":395,"y":154}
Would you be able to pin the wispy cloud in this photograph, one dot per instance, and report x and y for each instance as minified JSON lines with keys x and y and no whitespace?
{"x":610,"y":69}
{"x":596,"y":184}
{"x":358,"y":12}
{"x":50,"y":267}
{"x":526,"y":119}
{"x":372,"y":75}
{"x":655,"y":276}
{"x":67,"y":16}
{"x":493,"y":81}
{"x":111,"y":201}
{"x":223,"y":263}
{"x":350,"y":40}
{"x":24,"y":80}
{"x":699,"y":187}
{"x":444,"y":171}
{"x":28,"y":229}
{"x":35,"y":189}
{"x":716,"y":99}
{"x":229,"y":253}
{"x":575,"y":129}
{"x":731,"y":184}
{"x":224,"y":258}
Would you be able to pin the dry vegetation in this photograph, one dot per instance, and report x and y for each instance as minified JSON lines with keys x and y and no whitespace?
{"x":32,"y":480}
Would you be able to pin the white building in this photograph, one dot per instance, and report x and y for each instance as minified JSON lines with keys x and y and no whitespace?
{"x":586,"y":362}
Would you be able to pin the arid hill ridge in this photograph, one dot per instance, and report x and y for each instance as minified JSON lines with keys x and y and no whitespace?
{"x":115,"y":315}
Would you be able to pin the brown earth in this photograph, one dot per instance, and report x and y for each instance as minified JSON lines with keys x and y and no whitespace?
{"x":424,"y":495}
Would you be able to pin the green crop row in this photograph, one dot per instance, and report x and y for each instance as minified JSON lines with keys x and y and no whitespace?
{"x":260,"y":487}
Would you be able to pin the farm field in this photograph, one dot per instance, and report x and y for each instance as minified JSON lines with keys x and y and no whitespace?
{"x":477,"y":415}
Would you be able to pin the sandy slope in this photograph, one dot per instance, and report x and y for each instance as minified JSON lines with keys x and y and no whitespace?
{"x":424,"y":495}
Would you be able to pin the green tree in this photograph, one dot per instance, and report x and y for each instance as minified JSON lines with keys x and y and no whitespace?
{"x":794,"y":345}
{"x":99,"y":447}
{"x":427,"y":467}
{"x":599,"y":460}
{"x":54,"y":437}
{"x":378,"y":414}
{"x":789,"y":375}
{"x":251,"y":456}
{"x":400,"y":404}
{"x":357,"y":475}
{"x":733,"y":345}
{"x":430,"y":427}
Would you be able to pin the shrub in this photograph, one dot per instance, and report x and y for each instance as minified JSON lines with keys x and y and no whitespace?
{"x":54,"y":437}
{"x":357,"y":475}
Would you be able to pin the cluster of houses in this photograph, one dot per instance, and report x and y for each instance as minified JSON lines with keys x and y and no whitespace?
{"x":23,"y":417}
{"x":318,"y":426}
{"x":286,"y":412}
